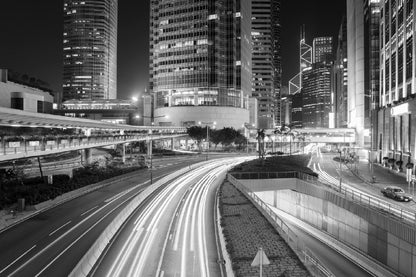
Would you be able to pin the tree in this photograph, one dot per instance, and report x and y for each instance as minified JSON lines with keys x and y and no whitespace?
{"x":197,"y":133}
{"x":240,"y":140}
{"x":215,"y":137}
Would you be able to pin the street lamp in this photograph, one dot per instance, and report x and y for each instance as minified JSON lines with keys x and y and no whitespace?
{"x":207,"y":125}
{"x":340,"y":170}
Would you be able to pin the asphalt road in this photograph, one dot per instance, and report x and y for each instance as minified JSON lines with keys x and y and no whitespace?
{"x":329,"y":172}
{"x":51,"y":243}
{"x":173,"y":234}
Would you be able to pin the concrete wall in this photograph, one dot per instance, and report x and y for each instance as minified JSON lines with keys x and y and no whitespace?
{"x":223,"y":116}
{"x":379,"y":235}
{"x":30,"y":96}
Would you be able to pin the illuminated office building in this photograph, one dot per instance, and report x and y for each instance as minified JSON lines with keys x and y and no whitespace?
{"x":90,"y":49}
{"x":266,"y":60}
{"x":200,"y":62}
{"x":322,"y":50}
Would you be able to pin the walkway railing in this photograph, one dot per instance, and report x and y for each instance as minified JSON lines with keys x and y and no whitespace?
{"x":314,"y":265}
{"x":350,"y":193}
{"x":27,"y":147}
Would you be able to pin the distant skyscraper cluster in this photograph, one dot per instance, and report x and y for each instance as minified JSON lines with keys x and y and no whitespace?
{"x":90,"y":49}
{"x":310,"y":89}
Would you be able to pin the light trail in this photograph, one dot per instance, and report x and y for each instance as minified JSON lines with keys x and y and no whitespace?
{"x":185,"y":200}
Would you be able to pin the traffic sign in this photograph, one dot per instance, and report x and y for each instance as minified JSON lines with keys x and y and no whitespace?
{"x":260,"y":260}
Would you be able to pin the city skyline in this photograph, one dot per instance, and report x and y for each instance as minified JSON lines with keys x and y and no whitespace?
{"x":39,"y":53}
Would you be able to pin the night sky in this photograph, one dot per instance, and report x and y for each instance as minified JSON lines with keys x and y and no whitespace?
{"x":31,"y":38}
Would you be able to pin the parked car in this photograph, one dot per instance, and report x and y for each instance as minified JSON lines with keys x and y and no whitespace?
{"x":396,"y":193}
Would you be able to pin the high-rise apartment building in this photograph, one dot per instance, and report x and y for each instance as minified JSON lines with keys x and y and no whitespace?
{"x":396,"y":130}
{"x":200,"y":62}
{"x":266,"y":61}
{"x":90,"y":49}
{"x":323,"y":50}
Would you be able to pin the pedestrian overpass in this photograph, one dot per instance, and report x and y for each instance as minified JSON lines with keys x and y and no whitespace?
{"x":25,"y":134}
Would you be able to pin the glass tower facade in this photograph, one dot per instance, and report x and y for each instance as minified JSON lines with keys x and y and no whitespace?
{"x":200,"y":53}
{"x":266,"y":61}
{"x":90,"y":49}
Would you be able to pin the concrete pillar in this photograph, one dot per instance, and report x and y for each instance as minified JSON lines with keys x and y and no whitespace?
{"x":123,"y":153}
{"x":172,"y":144}
{"x":50,"y":179}
{"x":86,"y":156}
{"x":149,"y":148}
{"x":186,"y":144}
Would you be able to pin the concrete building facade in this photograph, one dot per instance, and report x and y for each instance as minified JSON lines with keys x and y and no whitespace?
{"x":23,"y":97}
{"x":90,"y":49}
{"x":397,"y":105}
{"x":363,"y":75}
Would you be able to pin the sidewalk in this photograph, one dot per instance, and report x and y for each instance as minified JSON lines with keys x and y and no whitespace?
{"x":383,"y":176}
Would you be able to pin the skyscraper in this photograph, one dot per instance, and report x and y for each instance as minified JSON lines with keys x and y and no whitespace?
{"x":322,"y":50}
{"x":90,"y":49}
{"x":340,"y":78}
{"x":266,"y":60}
{"x":200,"y":62}
{"x":363,"y":54}
{"x":316,"y":96}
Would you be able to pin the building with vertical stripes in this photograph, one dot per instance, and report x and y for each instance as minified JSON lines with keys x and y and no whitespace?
{"x":90,"y":49}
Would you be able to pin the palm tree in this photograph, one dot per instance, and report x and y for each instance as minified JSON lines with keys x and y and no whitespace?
{"x":260,"y":140}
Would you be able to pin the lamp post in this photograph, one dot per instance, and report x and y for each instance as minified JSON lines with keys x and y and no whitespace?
{"x":150,"y":150}
{"x":207,"y":126}
{"x":340,"y":170}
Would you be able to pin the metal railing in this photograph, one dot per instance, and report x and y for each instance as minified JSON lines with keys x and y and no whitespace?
{"x":349,"y":193}
{"x":43,"y":145}
{"x":306,"y":255}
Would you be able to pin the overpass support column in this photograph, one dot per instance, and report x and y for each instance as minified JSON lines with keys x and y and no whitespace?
{"x":149,"y":148}
{"x":86,"y":156}
{"x":50,"y":179}
{"x":123,"y":152}
{"x":172,"y":144}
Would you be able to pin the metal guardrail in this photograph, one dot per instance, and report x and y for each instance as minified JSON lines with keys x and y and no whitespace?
{"x":351,"y":194}
{"x":314,"y":265}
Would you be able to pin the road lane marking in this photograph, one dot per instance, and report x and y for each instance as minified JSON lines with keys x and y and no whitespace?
{"x":93,"y":208}
{"x":12,"y":263}
{"x":65,"y":234}
{"x":56,"y":230}
{"x":79,"y":237}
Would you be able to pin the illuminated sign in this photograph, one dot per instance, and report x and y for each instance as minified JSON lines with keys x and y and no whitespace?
{"x":401,"y":109}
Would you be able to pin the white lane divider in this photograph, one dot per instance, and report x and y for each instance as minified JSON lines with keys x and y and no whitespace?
{"x":93,"y":208}
{"x":18,"y":258}
{"x":56,"y":230}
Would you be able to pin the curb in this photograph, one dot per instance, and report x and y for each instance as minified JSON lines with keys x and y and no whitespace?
{"x":229,"y":272}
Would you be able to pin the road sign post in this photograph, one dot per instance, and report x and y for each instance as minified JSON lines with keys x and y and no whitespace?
{"x":260,"y":260}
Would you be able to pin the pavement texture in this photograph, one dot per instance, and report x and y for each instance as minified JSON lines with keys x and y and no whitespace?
{"x":246,"y":230}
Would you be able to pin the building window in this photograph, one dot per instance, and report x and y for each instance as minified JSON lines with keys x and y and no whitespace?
{"x":409,"y":49}
{"x":17,"y":103}
{"x":40,"y":107}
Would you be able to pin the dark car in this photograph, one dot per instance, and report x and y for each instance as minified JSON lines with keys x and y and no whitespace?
{"x":396,"y":193}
